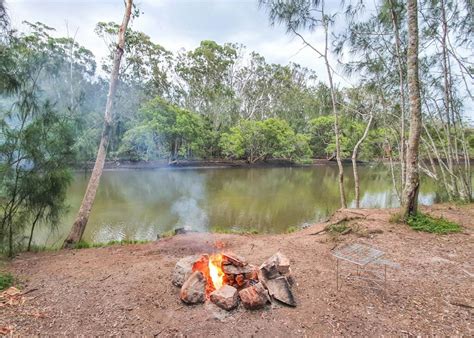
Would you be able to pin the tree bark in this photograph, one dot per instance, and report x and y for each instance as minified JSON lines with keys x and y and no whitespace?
{"x":396,"y":33}
{"x":412,"y":186}
{"x":82,"y":217}
{"x":342,"y":194}
{"x":354,"y":160}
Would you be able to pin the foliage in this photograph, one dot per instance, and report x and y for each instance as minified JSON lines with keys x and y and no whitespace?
{"x":165,"y":129}
{"x":261,"y":140}
{"x":36,"y":141}
{"x":6,"y":280}
{"x":426,"y":223}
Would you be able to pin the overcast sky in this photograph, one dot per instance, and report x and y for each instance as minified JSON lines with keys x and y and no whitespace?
{"x":175,"y":24}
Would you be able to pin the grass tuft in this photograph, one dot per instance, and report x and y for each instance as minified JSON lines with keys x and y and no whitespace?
{"x":6,"y":280}
{"x":292,"y":229}
{"x":396,"y":218}
{"x":426,"y":223}
{"x":87,"y":245}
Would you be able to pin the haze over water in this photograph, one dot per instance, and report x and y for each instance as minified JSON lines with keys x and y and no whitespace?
{"x":140,"y":204}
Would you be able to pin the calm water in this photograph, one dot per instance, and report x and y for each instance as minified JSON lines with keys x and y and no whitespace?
{"x":139,"y":204}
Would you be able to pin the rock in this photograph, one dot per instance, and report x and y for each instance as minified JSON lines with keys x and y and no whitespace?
{"x":193,"y":290}
{"x":231,"y":258}
{"x":238,"y":270}
{"x":182,"y":231}
{"x":254,"y":297}
{"x":226,"y":297}
{"x":279,"y":289}
{"x":183,"y":269}
{"x":276,"y":265}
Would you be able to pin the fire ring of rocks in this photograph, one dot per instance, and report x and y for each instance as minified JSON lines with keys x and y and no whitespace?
{"x":227,"y":279}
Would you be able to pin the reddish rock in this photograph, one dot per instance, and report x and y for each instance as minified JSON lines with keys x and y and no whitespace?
{"x":226,"y":297}
{"x":231,"y":258}
{"x":193,"y":290}
{"x":254,"y":297}
{"x":237,"y":270}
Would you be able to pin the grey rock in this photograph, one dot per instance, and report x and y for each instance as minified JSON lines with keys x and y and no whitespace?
{"x":279,"y":289}
{"x":183,"y":269}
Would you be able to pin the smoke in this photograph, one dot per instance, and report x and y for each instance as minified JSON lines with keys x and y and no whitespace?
{"x":188,"y":207}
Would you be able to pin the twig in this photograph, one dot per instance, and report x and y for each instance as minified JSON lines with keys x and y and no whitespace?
{"x":106,"y":277}
{"x":467,"y":306}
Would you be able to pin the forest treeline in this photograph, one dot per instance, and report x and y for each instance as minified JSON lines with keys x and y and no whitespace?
{"x":224,"y":101}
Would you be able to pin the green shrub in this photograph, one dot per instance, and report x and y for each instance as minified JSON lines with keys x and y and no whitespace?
{"x":292,"y":229}
{"x":422,"y":222}
{"x":6,"y":280}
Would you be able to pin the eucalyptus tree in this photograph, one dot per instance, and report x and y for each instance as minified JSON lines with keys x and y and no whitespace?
{"x":412,"y":186}
{"x":82,"y":217}
{"x":307,"y":15}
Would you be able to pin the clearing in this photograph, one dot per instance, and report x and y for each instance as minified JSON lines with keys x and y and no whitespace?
{"x":122,"y":290}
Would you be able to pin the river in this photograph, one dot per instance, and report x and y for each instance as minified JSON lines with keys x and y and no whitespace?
{"x":140,"y":204}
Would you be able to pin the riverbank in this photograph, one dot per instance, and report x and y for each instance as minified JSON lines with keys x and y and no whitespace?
{"x":203,"y":164}
{"x":127,"y":289}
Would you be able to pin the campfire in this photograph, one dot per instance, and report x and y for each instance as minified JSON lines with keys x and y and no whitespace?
{"x":226,"y":279}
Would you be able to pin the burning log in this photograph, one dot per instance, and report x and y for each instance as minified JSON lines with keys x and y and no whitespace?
{"x":226,"y":297}
{"x":254,"y":297}
{"x":193,"y":290}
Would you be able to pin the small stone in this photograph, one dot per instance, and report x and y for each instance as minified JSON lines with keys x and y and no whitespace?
{"x":279,"y":288}
{"x":193,"y":290}
{"x":254,"y":297}
{"x":226,"y":297}
{"x":182,"y":231}
{"x":240,"y":280}
{"x":183,"y":269}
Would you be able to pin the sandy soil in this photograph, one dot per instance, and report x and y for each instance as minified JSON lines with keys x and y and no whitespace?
{"x":127,"y":289}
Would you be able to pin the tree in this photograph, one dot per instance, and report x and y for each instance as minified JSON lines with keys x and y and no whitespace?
{"x":309,"y":14}
{"x":412,"y":185}
{"x":262,"y":140}
{"x":36,"y":140}
{"x":83,"y":215}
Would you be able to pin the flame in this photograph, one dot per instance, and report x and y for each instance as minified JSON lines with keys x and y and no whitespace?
{"x":215,"y":270}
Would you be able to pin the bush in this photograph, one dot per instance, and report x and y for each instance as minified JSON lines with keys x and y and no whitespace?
{"x":422,"y":222}
{"x":6,"y":280}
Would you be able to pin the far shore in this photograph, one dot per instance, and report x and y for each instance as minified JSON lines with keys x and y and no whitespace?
{"x":205,"y":164}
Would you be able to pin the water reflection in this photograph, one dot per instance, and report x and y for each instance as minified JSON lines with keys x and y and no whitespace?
{"x":143,"y":203}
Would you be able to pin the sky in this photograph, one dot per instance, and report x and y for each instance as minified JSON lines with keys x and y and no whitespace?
{"x":176,"y":24}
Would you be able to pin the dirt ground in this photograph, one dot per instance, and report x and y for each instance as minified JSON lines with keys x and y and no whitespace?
{"x":122,"y":290}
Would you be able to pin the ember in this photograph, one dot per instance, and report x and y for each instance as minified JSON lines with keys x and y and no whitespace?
{"x":226,"y":278}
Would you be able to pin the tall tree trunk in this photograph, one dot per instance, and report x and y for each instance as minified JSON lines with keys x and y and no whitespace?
{"x":83,"y":215}
{"x":342,"y":194}
{"x":412,"y":186}
{"x":396,"y":33}
{"x":354,"y":160}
